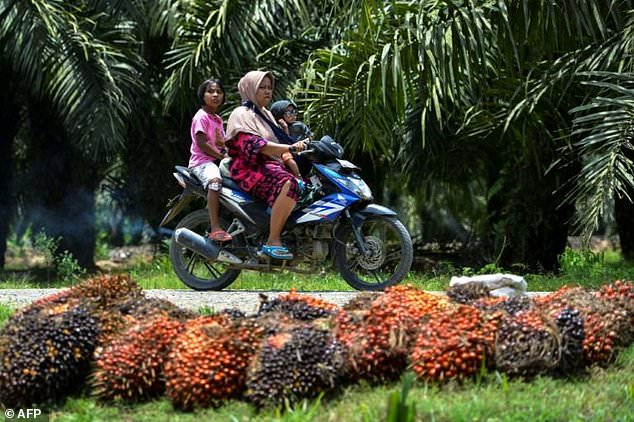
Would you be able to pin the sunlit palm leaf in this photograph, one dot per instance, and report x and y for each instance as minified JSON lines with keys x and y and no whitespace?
{"x":224,"y":38}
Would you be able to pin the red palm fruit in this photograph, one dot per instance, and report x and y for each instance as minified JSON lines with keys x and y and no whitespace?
{"x":454,"y":343}
{"x":379,"y":339}
{"x":131,"y":367}
{"x":208,"y":361}
{"x":607,"y":318}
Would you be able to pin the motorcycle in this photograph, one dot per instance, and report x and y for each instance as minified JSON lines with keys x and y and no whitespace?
{"x":335,"y":221}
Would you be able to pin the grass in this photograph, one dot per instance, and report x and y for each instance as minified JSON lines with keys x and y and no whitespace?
{"x":599,"y":395}
{"x":5,"y":313}
{"x":587,"y":269}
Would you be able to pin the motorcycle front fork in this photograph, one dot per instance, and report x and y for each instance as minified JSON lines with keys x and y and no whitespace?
{"x":358,"y":236}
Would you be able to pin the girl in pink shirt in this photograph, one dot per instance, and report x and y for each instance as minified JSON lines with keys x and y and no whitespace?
{"x":207,"y":149}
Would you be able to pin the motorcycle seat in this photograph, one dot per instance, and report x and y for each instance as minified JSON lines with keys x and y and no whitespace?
{"x":187,"y":174}
{"x":228,"y":182}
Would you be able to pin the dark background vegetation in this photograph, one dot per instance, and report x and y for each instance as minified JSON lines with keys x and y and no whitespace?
{"x":503,"y":127}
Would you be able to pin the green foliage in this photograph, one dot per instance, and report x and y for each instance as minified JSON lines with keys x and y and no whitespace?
{"x":47,"y":246}
{"x":577,"y":262}
{"x":491,"y":268}
{"x":5,"y":313}
{"x":79,"y":59}
{"x":68,"y":268}
{"x":398,"y":409}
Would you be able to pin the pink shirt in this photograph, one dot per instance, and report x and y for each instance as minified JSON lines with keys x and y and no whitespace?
{"x":207,"y":124}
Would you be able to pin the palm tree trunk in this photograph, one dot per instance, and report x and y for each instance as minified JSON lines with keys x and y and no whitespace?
{"x":624,"y":214}
{"x":8,"y":128}
{"x":62,"y":184}
{"x":529,"y":220}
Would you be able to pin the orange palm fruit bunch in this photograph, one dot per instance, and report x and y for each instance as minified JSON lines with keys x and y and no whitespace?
{"x":131,"y":367}
{"x":454,"y":343}
{"x":208,"y":361}
{"x":379,"y":339}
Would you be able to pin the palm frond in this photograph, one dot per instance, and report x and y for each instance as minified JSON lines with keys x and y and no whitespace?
{"x":605,"y":126}
{"x":88,"y":78}
{"x":225,"y":37}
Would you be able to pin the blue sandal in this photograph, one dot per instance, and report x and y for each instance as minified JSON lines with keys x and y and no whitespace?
{"x":277,"y":252}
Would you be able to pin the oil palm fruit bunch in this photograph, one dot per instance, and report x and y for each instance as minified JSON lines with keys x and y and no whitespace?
{"x":379,"y":339}
{"x":128,"y":312}
{"x":606,"y":321}
{"x":467,"y":293}
{"x":131,"y":367}
{"x":622,"y":292}
{"x":107,"y":290}
{"x":295,"y":364}
{"x":208,"y":361}
{"x":45,"y":352}
{"x":141,"y":308}
{"x":104,"y":290}
{"x":298,"y":306}
{"x":570,"y":324}
{"x":510,"y":305}
{"x":362,"y":301}
{"x":527,"y":344}
{"x":454,"y":344}
{"x":105,"y":293}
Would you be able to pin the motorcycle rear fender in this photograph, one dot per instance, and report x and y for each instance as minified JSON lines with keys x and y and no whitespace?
{"x":176,"y":205}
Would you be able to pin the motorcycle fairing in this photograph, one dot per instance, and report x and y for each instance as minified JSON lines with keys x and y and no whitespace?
{"x":360,"y":215}
{"x":326,"y":209}
{"x":334,"y":177}
{"x":236,"y":195}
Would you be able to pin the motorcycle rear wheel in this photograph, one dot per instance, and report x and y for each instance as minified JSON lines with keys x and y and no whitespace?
{"x":194,"y":270}
{"x":391,"y":254}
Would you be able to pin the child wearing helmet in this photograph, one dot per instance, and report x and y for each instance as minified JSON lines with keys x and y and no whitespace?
{"x":285,"y":113}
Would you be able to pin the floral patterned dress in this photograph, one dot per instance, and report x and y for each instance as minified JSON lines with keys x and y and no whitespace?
{"x":257,"y":173}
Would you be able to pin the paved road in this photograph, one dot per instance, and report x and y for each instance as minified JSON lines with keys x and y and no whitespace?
{"x":246,"y":301}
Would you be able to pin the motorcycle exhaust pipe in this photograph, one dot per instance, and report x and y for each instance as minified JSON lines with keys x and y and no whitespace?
{"x":203,"y":246}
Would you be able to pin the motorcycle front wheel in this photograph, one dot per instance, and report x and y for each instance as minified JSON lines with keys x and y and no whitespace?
{"x":390,"y":254}
{"x":194,"y":270}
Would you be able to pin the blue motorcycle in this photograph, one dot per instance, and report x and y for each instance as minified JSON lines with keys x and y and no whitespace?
{"x":335,"y":223}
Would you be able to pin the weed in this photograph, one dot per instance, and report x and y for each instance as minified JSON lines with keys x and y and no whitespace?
{"x":68,"y":268}
{"x":398,"y":409}
{"x":580,"y":261}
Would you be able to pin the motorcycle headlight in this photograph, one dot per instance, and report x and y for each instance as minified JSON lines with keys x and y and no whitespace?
{"x":358,"y":186}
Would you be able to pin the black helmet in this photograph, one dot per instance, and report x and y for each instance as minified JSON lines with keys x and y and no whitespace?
{"x":327,"y":148}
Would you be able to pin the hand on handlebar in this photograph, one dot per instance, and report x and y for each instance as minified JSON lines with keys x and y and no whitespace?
{"x":300,"y":145}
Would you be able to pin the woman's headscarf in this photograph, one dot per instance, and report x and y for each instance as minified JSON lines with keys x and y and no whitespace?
{"x":243,"y":119}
